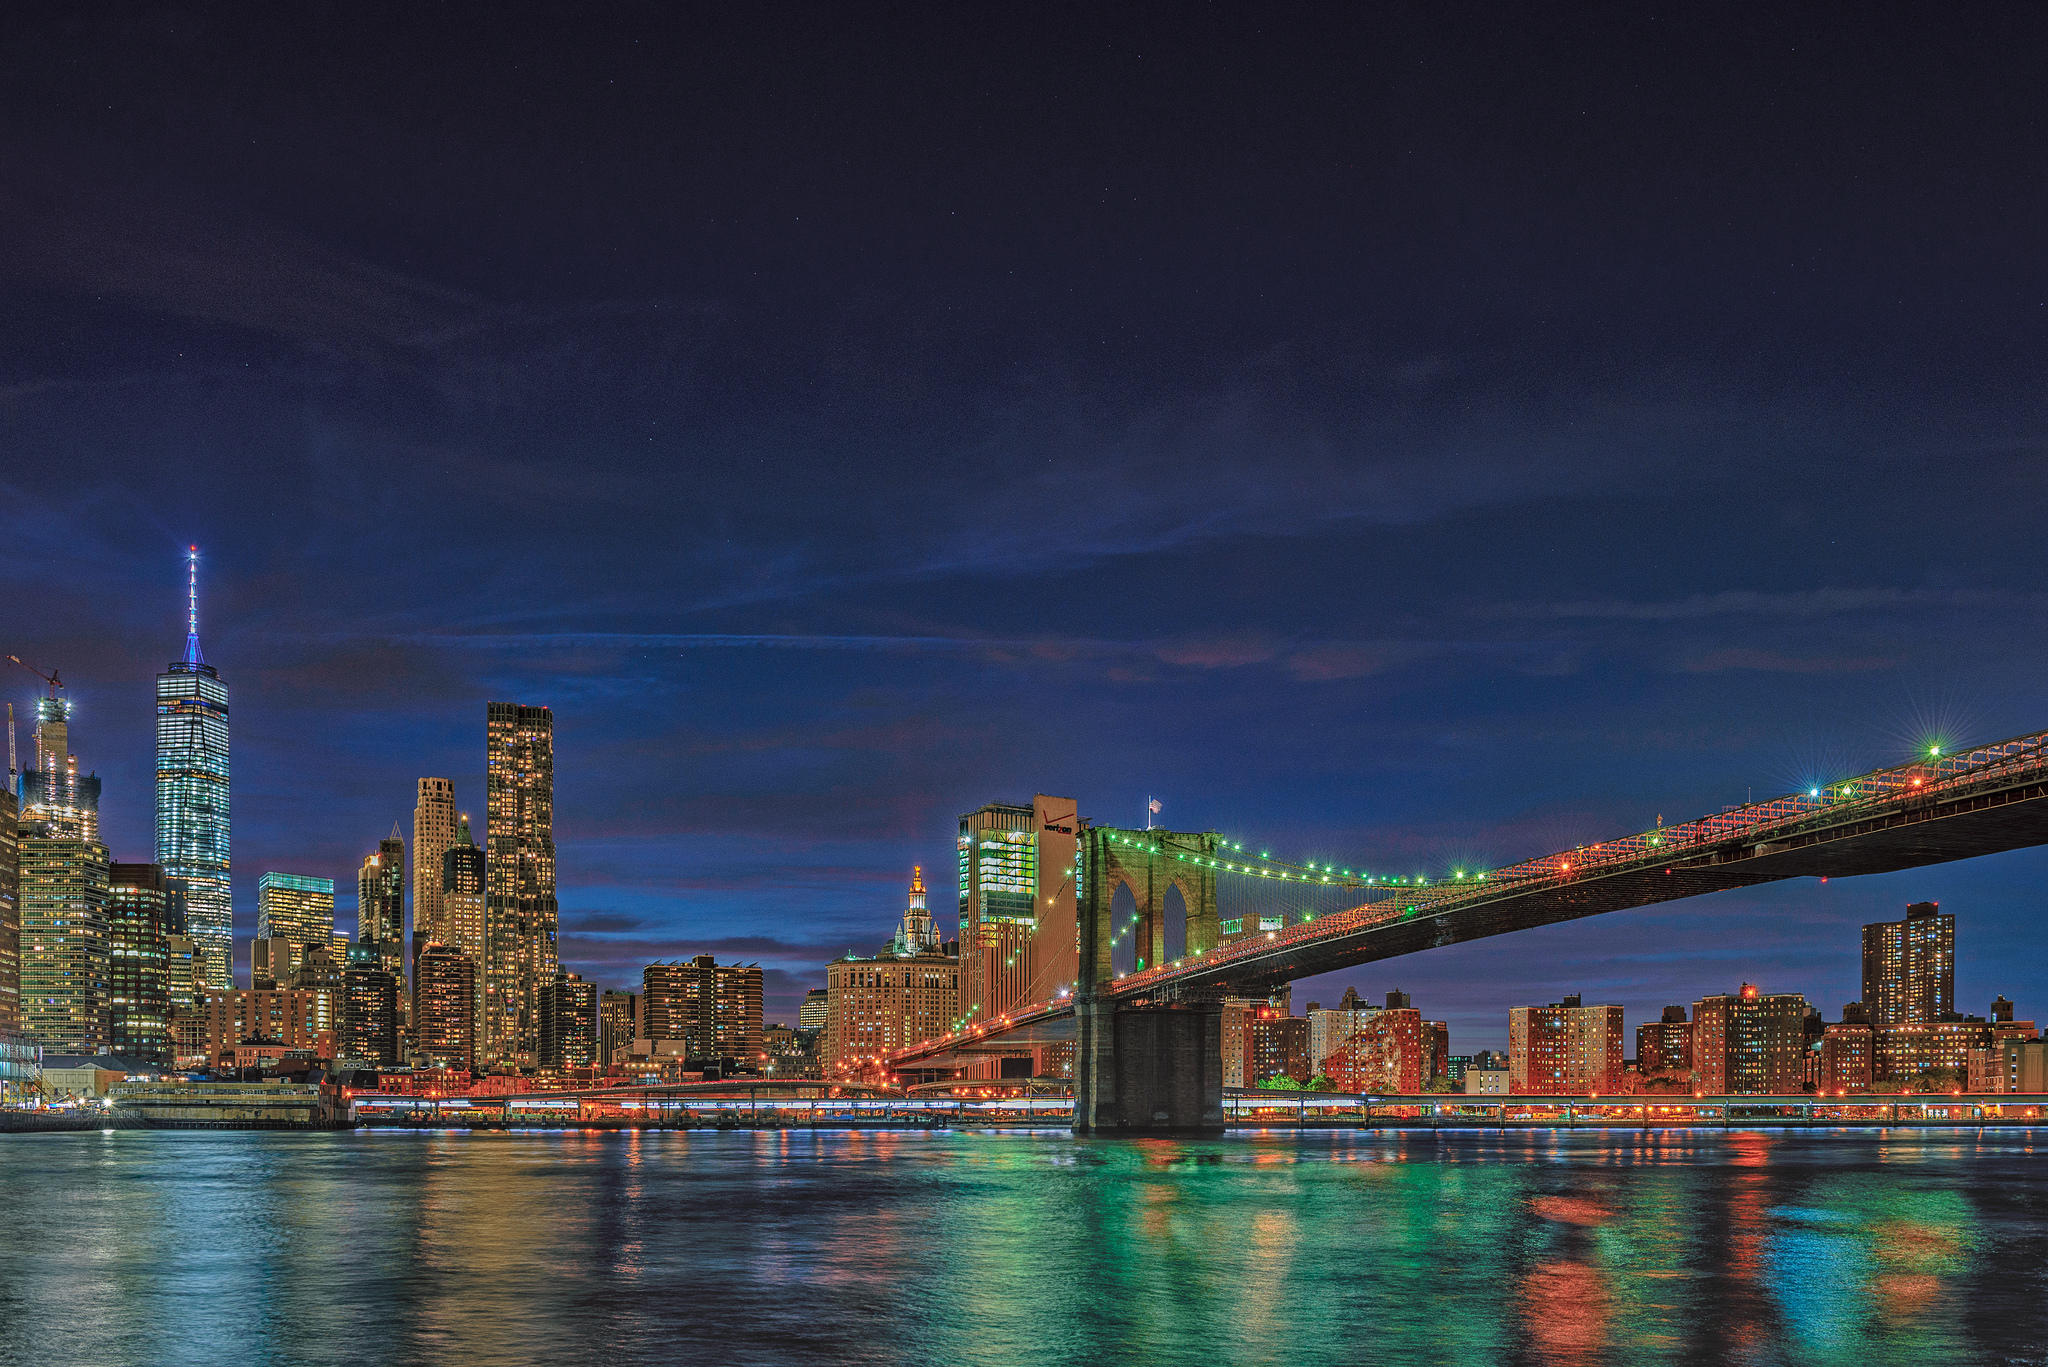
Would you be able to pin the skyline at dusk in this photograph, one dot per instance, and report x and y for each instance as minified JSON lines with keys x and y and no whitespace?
{"x":887,"y":685}
{"x":836,"y":446}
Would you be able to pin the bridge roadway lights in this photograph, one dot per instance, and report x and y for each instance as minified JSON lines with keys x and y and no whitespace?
{"x":1148,"y":1070}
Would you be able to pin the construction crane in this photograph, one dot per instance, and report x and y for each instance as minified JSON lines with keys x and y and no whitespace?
{"x":55,"y":683}
{"x":51,"y":678}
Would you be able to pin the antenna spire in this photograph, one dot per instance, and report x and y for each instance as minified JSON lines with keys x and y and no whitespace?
{"x":192,"y":653}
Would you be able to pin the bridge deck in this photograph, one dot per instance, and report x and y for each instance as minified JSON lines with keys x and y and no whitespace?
{"x":1983,"y":801}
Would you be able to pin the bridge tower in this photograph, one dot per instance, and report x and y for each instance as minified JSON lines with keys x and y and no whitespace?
{"x":1152,"y":1067}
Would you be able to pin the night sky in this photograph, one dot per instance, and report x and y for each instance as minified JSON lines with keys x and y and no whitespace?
{"x":1395,"y":434}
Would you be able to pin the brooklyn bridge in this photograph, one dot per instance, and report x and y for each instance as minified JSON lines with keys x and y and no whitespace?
{"x":1145,"y":1020}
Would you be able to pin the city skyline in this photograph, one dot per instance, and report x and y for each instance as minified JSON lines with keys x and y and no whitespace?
{"x":440,"y":793}
{"x":1139,"y":684}
{"x":896,"y":468}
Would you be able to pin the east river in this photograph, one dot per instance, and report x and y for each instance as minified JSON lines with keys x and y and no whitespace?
{"x":1024,"y":1248}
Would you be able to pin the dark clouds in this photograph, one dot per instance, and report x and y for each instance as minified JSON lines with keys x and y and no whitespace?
{"x":1392,"y":432}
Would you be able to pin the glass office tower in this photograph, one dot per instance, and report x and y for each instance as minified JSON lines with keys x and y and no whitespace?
{"x":192,"y":798}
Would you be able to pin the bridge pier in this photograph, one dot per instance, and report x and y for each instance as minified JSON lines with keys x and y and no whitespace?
{"x":1148,"y":1070}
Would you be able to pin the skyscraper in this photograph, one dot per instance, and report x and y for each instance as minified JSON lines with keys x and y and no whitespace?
{"x":58,"y":802}
{"x":463,"y":879}
{"x":10,"y":912}
{"x":295,"y":909}
{"x":63,"y":894}
{"x":192,"y":797}
{"x":380,"y":903}
{"x":1017,"y":924}
{"x":433,"y":831}
{"x":1909,"y":967}
{"x":64,"y":943}
{"x":519,"y":904}
{"x":138,"y":968}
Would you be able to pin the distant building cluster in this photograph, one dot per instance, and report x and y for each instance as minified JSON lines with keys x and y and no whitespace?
{"x":114,"y":969}
{"x":1904,"y":1035}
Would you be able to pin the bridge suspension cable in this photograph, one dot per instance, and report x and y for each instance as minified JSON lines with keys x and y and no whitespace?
{"x":1935,"y":772}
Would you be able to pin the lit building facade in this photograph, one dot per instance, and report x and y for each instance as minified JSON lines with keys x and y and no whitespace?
{"x":273,"y":963}
{"x":908,"y":993}
{"x":297,"y":910}
{"x":520,"y":908}
{"x":2025,"y":1066}
{"x":711,"y":1011}
{"x":1665,"y":1045}
{"x":1486,"y":1081}
{"x":10,"y":913}
{"x":296,"y":1018}
{"x":1749,"y":1043}
{"x":1564,"y":1049}
{"x":65,"y":944}
{"x":58,"y":802}
{"x":1331,"y":1028}
{"x":1436,"y":1051}
{"x":791,"y":1053}
{"x":1909,"y":967}
{"x":568,"y":1022}
{"x":1846,"y":1059}
{"x":380,"y":904}
{"x":1017,"y":884}
{"x":61,"y":890}
{"x":1390,"y":1053}
{"x":1238,"y":1013}
{"x":444,"y":1015}
{"x":463,"y":882}
{"x":138,"y":963}
{"x":618,"y":1025}
{"x":1903,"y":1053}
{"x":186,"y":988}
{"x":1275,"y":1045}
{"x":192,"y":798}
{"x":21,"y":1067}
{"x":433,"y":832}
{"x":369,"y":1009}
{"x":815,"y":1010}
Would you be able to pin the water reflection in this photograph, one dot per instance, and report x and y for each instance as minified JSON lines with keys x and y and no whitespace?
{"x":887,"y":1247}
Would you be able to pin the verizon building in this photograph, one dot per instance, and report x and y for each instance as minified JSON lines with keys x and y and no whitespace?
{"x":1018,"y":933}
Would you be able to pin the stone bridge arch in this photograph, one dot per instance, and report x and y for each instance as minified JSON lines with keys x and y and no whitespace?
{"x":1148,"y":863}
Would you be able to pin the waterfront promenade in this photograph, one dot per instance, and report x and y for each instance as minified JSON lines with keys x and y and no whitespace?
{"x":629,"y":1108}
